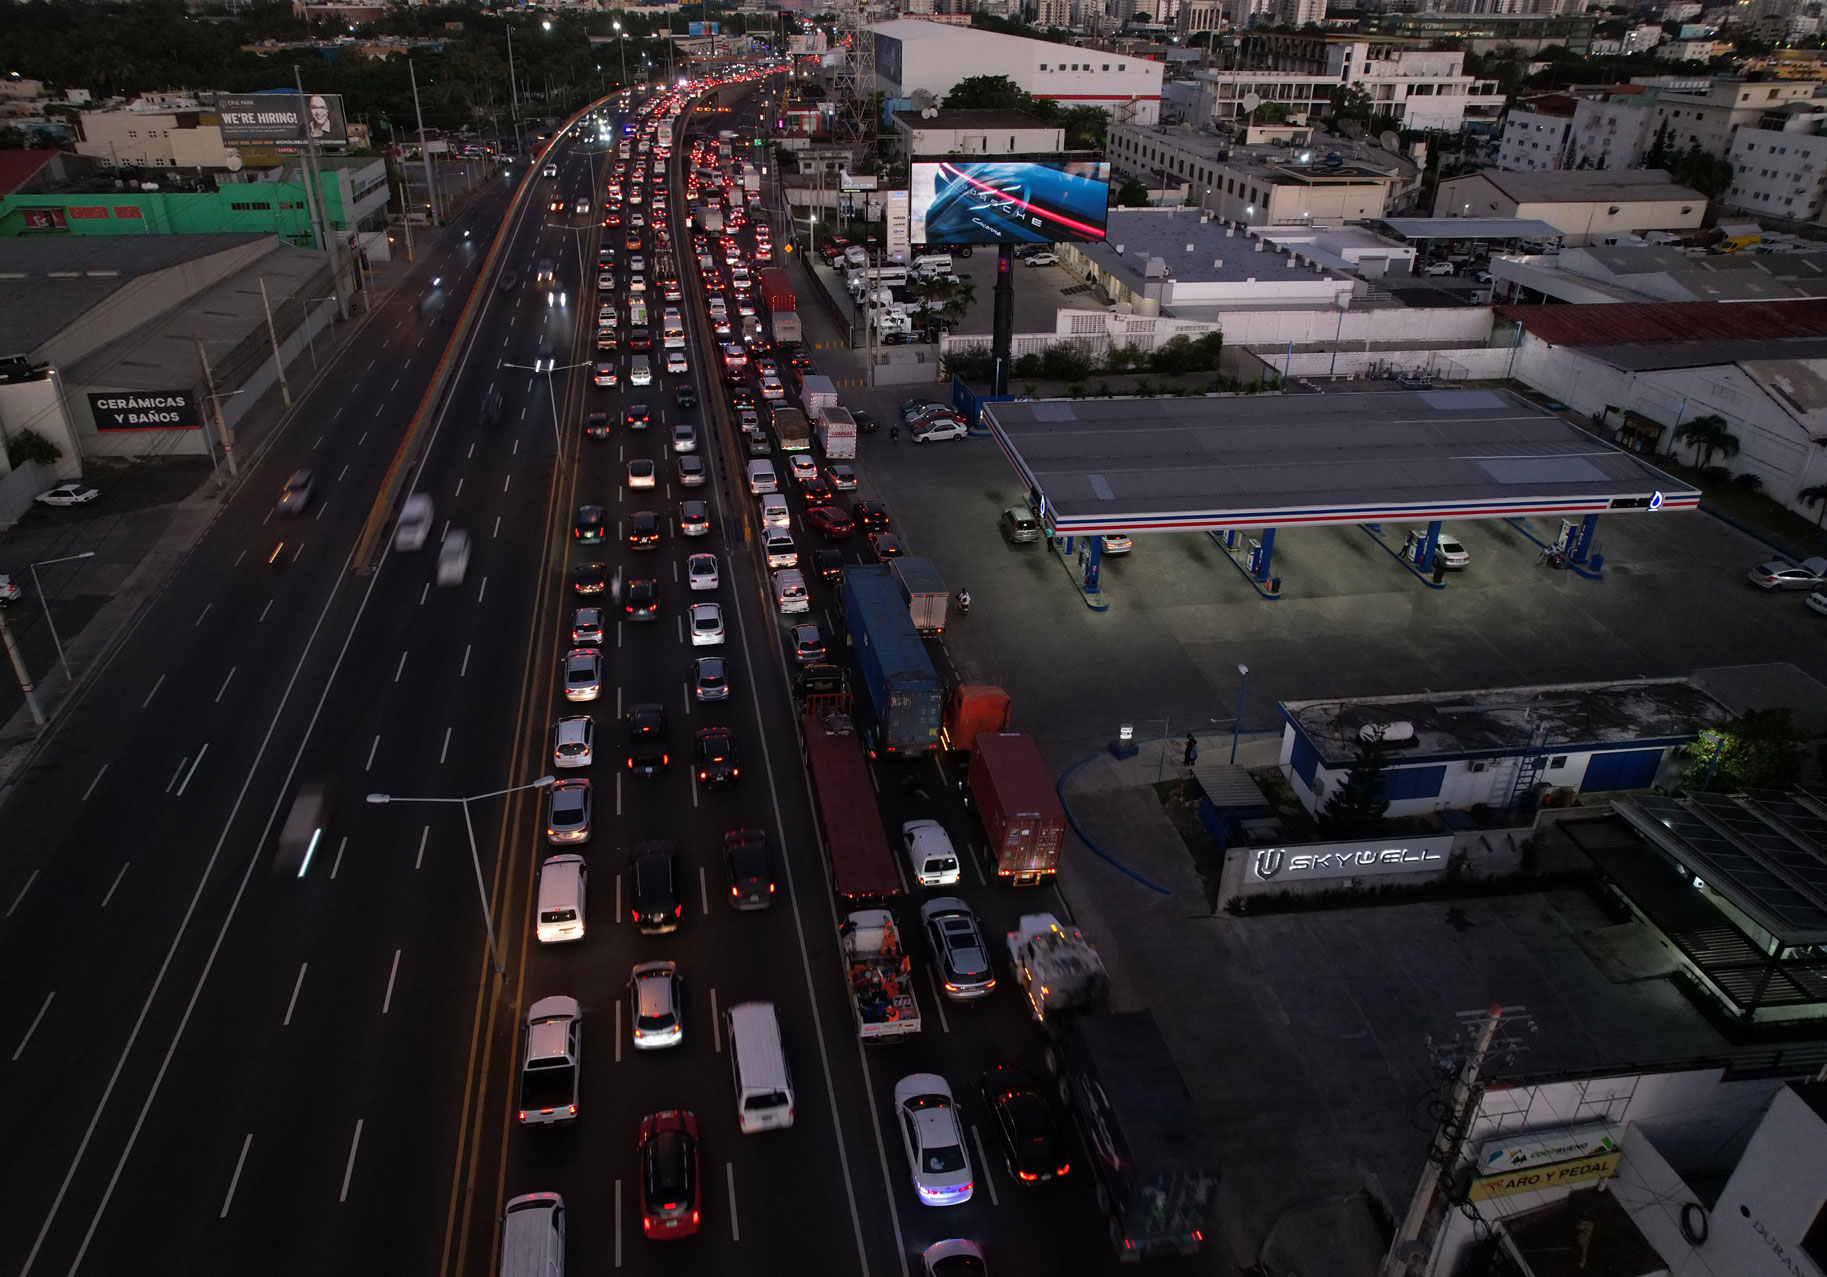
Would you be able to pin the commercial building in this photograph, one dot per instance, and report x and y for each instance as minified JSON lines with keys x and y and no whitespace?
{"x":1413,"y":88}
{"x":1583,"y":205}
{"x":936,"y":131}
{"x":1615,"y":126}
{"x":1779,"y":167}
{"x":1535,"y":132}
{"x":913,"y":56}
{"x":1625,"y":273}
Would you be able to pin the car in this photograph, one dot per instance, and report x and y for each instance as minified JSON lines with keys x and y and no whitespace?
{"x":491,"y":408}
{"x":10,"y":592}
{"x":706,"y":624}
{"x":843,"y":478}
{"x":955,"y":1257}
{"x":573,"y":741}
{"x":772,"y":389}
{"x":293,"y":497}
{"x":654,"y":871}
{"x":959,"y":955}
{"x":1031,"y":1146}
{"x":587,"y":527}
{"x":604,"y":374}
{"x":635,"y":416}
{"x":589,"y":578}
{"x":932,"y":1135}
{"x":691,"y":471}
{"x":687,"y":396}
{"x":646,"y":725}
{"x":742,"y":397}
{"x":815,"y":492}
{"x":641,"y":599}
{"x":1439,"y":268}
{"x":913,"y":409}
{"x":885,"y":546}
{"x":717,"y":763}
{"x":829,"y":564}
{"x":930,"y":854}
{"x":701,"y":571}
{"x":583,"y":674}
{"x":1448,"y":551}
{"x":606,"y":340}
{"x":551,"y":1060}
{"x":801,"y":360}
{"x":675,"y":363}
{"x":644,"y":530}
{"x":1042,"y":259}
{"x":775,"y":512}
{"x":869,"y":514}
{"x":641,"y":473}
{"x":568,"y":811}
{"x":939,"y":430}
{"x":808,"y":644}
{"x":508,"y":282}
{"x":605,"y":280}
{"x":832,"y":522}
{"x":820,"y":680}
{"x":656,"y":1001}
{"x":804,"y":468}
{"x":710,"y":680}
{"x":780,"y":550}
{"x":633,"y":241}
{"x":767,"y":368}
{"x":1780,"y":574}
{"x":637,"y":263}
{"x":670,"y":1190}
{"x":555,"y":206}
{"x":865,"y":422}
{"x":684,"y":437}
{"x":596,"y":425}
{"x":1118,"y":543}
{"x":751,"y":868}
{"x":586,"y":626}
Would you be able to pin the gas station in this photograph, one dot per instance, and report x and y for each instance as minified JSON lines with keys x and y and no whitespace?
{"x":1241,"y":467}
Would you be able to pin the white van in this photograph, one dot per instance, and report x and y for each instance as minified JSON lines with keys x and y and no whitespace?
{"x":414,"y":526}
{"x":774,"y":512}
{"x":932,"y":264}
{"x":764,"y":1083}
{"x":761,"y":476}
{"x":561,"y":899}
{"x":533,"y":1236}
{"x":453,"y":557}
{"x":640,"y":372}
{"x":790,"y":591}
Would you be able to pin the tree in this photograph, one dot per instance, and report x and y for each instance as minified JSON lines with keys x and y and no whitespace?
{"x":1086,"y":127}
{"x":1708,"y":436}
{"x":1133,"y":193}
{"x":1761,"y":750}
{"x":1349,"y":102}
{"x":28,"y":445}
{"x":1354,"y":808}
{"x":1815,"y":496}
{"x":1270,"y":113}
{"x":987,"y":93}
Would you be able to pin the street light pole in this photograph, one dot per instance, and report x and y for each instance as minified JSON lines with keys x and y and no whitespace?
{"x":45,"y":603}
{"x":1237,"y":723}
{"x":475,"y":857}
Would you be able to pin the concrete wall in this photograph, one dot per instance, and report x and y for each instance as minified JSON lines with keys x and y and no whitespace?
{"x":38,"y":405}
{"x":1459,"y":364}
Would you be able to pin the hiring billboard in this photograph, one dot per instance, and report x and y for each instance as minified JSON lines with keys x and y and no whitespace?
{"x":282,"y":117}
{"x":1008,"y":201}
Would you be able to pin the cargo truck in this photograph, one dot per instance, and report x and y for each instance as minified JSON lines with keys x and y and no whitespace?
{"x":881,"y":976}
{"x":904,"y":690}
{"x":925,"y":592}
{"x":1057,"y":969}
{"x":836,"y":433}
{"x":817,"y":391}
{"x":862,"y":864}
{"x":971,"y":708}
{"x":751,"y":180}
{"x":1015,"y":798}
{"x":777,"y":291}
{"x":1154,"y":1165}
{"x":792,"y":429}
{"x":785,"y":324}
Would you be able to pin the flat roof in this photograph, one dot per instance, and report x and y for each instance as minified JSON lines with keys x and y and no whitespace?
{"x":1219,"y":254}
{"x":1251,"y":461}
{"x":1472,"y":228}
{"x":1671,"y":322}
{"x":1569,"y":186}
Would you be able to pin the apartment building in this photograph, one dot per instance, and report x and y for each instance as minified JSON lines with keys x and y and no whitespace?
{"x":1780,"y":165}
{"x":1535,"y":132}
{"x":1415,"y":88}
{"x":1327,"y":184}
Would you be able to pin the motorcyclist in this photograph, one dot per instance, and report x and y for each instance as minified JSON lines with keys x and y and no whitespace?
{"x":964,"y":602}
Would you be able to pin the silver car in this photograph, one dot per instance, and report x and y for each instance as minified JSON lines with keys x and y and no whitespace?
{"x":583,"y":674}
{"x":297,"y":493}
{"x":959,"y":954}
{"x":657,"y":998}
{"x":568,"y":811}
{"x":710,"y":679}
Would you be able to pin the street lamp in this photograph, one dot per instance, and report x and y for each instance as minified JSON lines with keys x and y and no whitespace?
{"x":621,"y":44}
{"x":475,"y":857}
{"x":551,"y":390}
{"x":46,"y":603}
{"x":1237,"y":723}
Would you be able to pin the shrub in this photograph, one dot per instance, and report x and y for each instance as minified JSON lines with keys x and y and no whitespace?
{"x":971,"y":364}
{"x":29,"y":445}
{"x":1063,"y":361}
{"x":1716,"y":474}
{"x":1122,"y":358}
{"x":1103,"y":389}
{"x":1027,"y":366}
{"x":1075,"y":389}
{"x":1748,"y":482}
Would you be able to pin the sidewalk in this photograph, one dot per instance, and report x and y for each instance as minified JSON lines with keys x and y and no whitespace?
{"x":140,"y":580}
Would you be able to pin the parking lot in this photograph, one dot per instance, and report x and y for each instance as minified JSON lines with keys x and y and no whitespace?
{"x":1040,"y":291}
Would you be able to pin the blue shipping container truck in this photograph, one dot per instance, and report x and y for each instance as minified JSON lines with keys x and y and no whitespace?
{"x":903,"y":688}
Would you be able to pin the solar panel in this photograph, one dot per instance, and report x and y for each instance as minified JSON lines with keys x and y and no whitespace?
{"x":1733,"y":848}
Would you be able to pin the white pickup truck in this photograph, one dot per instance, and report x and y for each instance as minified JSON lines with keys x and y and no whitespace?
{"x":1056,"y":966}
{"x":880,"y":972}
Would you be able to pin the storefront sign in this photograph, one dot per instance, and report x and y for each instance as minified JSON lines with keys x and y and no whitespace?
{"x":166,"y":410}
{"x":1524,"y":1149}
{"x":897,"y":226}
{"x":1349,"y":859}
{"x":1559,"y":1176}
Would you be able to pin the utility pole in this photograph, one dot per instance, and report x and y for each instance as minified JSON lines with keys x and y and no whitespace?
{"x":431,"y":190}
{"x":285,"y":389}
{"x":19,"y":672}
{"x":215,"y":402}
{"x":320,"y":210}
{"x":514,"y":94}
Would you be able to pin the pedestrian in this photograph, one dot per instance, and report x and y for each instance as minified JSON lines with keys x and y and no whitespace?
{"x":1192,"y":750}
{"x":894,"y":434}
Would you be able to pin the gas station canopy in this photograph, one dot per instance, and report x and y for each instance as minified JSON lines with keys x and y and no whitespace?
{"x":1420,"y":228}
{"x":1264,"y":461}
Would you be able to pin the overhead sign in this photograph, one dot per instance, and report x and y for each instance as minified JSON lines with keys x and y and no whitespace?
{"x":1008,"y":201}
{"x":1309,"y":861}
{"x":1521,"y":1150}
{"x":165,"y":410}
{"x":282,"y":117}
{"x":1557,"y":1176}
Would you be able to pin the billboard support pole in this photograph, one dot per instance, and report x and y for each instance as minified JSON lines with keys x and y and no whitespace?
{"x":1002,"y":324}
{"x":431,"y":185}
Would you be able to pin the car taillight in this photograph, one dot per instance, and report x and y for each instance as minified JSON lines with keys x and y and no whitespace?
{"x":770,"y":888}
{"x":571,"y":1109}
{"x":1030,"y":1176}
{"x":523,"y":1115}
{"x":677,"y":910}
{"x":1068,"y":1166}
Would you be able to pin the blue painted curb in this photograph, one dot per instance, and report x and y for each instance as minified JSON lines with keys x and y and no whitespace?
{"x":1059,"y":787}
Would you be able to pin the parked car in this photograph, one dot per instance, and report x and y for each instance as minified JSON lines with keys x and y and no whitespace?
{"x":1780,"y":574}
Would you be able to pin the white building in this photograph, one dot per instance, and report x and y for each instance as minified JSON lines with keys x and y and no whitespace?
{"x":1583,"y":205}
{"x":153,"y":139}
{"x":1535,"y":132}
{"x":942,"y":132}
{"x":911,"y":55}
{"x":1416,"y":88}
{"x":1781,"y":170}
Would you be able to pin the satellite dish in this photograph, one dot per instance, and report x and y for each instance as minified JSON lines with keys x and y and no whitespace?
{"x":1250,"y":101}
{"x":1390,"y":142}
{"x":233,"y":162}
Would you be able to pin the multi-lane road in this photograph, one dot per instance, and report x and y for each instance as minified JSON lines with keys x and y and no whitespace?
{"x":210,"y":1069}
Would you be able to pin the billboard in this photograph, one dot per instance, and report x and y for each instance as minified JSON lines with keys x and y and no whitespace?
{"x":1008,"y":201}
{"x":164,"y":410}
{"x":282,"y":117}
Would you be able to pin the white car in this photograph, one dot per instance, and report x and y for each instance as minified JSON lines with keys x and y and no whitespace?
{"x":1118,"y":543}
{"x":772,"y":389}
{"x":675,"y":363}
{"x":414,"y":527}
{"x":684,"y":438}
{"x":803,"y":467}
{"x":701,"y":571}
{"x":1439,"y":268}
{"x":640,"y":473}
{"x":942,"y":429}
{"x":9,"y":592}
{"x":706,"y":624}
{"x":574,"y":741}
{"x":658,"y":1001}
{"x":930,"y":854}
{"x":1448,"y":551}
{"x":1042,"y":259}
{"x":453,"y":557}
{"x":932,"y":1132}
{"x":605,"y":280}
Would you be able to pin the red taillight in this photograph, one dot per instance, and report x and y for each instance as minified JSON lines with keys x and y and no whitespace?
{"x":1198,"y":1236}
{"x":523,"y":1115}
{"x":1029,"y":1176}
{"x":571,"y":1109}
{"x":734,"y":892}
{"x":677,"y":910}
{"x":635,"y":914}
{"x":1062,"y":1170}
{"x":770,"y":888}
{"x":694,"y":1218}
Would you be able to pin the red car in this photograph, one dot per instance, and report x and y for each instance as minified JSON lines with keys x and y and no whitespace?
{"x":669,"y":1187}
{"x":831,"y":521}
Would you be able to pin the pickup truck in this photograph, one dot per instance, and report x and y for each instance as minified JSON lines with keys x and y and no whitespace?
{"x":881,"y":976}
{"x":551,"y":1062}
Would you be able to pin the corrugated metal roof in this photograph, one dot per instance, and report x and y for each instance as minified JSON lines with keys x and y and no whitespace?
{"x":1670,"y":321}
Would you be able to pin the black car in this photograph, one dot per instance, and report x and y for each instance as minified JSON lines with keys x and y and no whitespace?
{"x":654,"y":874}
{"x":816,"y":492}
{"x":589,"y":578}
{"x":491,"y":408}
{"x":640,"y":339}
{"x":1030,"y":1144}
{"x":751,"y":868}
{"x":885,"y":546}
{"x":864,"y":421}
{"x":820,"y":680}
{"x":635,"y":416}
{"x":588,"y":526}
{"x":869,"y":514}
{"x":509,"y":281}
{"x":641,"y":600}
{"x":596,"y":426}
{"x":742,"y":397}
{"x":644,"y":530}
{"x":829,"y":564}
{"x":717,"y":762}
{"x":687,"y":396}
{"x":647,"y":739}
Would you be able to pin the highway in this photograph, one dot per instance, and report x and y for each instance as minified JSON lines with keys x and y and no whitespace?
{"x":215,"y":1070}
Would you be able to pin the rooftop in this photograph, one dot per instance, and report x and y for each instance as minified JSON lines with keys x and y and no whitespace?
{"x":1471,"y":228}
{"x":1494,"y":722}
{"x":1670,"y":322}
{"x":1250,"y":461}
{"x":1219,"y":253}
{"x":996,"y":119}
{"x":1568,"y":186}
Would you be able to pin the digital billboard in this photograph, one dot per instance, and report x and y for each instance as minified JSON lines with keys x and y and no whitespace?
{"x":1008,"y":201}
{"x":282,"y":117}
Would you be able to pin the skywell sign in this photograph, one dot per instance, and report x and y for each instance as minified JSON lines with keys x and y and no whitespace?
{"x":1315,"y":860}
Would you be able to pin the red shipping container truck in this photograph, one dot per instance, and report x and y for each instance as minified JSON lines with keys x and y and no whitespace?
{"x":971,"y":708}
{"x":1018,"y":805}
{"x":862,"y":864}
{"x":778,"y":290}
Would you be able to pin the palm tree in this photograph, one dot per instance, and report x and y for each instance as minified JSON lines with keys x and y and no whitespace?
{"x":1815,"y":496}
{"x":1708,"y":436}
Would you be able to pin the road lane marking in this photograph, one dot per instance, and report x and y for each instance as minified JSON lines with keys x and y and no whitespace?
{"x":459,"y":491}
{"x":618,"y":877}
{"x":989,"y":1172}
{"x":349,"y":1170}
{"x":464,"y":672}
{"x":235,"y":1179}
{"x":938,"y":1001}
{"x":703,"y":889}
{"x":193,"y":770}
{"x":401,"y":668}
{"x":392,"y":975}
{"x":716,"y":1027}
{"x":497,"y":531}
{"x":179,"y":772}
{"x":506,"y":481}
{"x":618,"y":1223}
{"x":95,"y":782}
{"x":201,"y":615}
{"x":424,"y":593}
{"x":424,"y":837}
{"x":345,"y":471}
{"x":33,"y":1027}
{"x":338,"y":862}
{"x":240,"y":557}
{"x":225,"y":683}
{"x":729,"y":1174}
{"x":321,"y":507}
{"x":618,"y":791}
{"x":121,"y":873}
{"x":618,"y":1030}
{"x":293,"y":1000}
{"x":21,"y":896}
{"x":371,"y":751}
{"x":445,"y":752}
{"x":482,"y":590}
{"x":266,"y":609}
